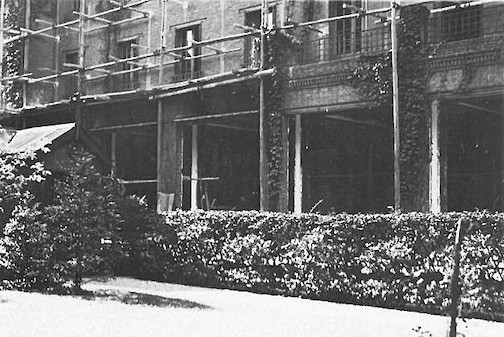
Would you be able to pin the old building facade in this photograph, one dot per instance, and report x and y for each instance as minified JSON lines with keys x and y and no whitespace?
{"x":171,"y":92}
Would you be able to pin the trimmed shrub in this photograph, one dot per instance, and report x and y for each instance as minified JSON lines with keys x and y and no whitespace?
{"x":392,"y":260}
{"x":145,"y":241}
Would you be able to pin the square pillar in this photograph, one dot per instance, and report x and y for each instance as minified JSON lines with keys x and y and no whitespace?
{"x":435,"y":162}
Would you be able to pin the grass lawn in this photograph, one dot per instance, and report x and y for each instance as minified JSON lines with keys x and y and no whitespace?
{"x":128,"y":307}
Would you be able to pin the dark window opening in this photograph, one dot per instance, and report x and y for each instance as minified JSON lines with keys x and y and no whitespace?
{"x":251,"y":56}
{"x":190,"y":63}
{"x":460,"y":23}
{"x":345,"y":36}
{"x":127,"y":77}
{"x":70,"y":85}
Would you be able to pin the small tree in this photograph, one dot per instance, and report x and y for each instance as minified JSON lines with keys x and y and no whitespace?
{"x":83,"y":219}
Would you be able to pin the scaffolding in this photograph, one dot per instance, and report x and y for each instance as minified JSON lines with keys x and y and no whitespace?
{"x":150,"y":59}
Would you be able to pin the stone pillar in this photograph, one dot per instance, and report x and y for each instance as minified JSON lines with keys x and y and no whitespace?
{"x":169,"y":166}
{"x":435,"y":162}
{"x":298,"y":173}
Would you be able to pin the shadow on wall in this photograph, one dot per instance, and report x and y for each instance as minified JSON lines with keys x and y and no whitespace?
{"x":134,"y":298}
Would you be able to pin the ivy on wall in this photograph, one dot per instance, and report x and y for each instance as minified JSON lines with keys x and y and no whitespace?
{"x":13,"y":60}
{"x":276,"y":56}
{"x":373,"y":78}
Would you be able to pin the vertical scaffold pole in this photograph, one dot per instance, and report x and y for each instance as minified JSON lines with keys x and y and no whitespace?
{"x":395,"y":109}
{"x":162,"y":41}
{"x":26,"y":52}
{"x":80,"y":77}
{"x":56,"y":49}
{"x":263,"y":174}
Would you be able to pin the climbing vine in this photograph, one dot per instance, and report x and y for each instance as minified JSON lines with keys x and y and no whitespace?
{"x":276,"y":56}
{"x":13,"y":61}
{"x":373,"y":78}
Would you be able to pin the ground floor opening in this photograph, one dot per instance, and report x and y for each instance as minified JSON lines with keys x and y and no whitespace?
{"x":346,"y":162}
{"x":472,"y":154}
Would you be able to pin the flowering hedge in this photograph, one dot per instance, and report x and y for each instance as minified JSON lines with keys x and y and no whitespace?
{"x":392,"y":260}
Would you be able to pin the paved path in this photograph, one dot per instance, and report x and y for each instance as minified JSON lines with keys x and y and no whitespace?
{"x":192,"y":311}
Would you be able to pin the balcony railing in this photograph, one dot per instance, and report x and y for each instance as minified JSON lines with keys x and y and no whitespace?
{"x":185,"y":76}
{"x":466,"y":23}
{"x":458,"y":24}
{"x":344,"y":44}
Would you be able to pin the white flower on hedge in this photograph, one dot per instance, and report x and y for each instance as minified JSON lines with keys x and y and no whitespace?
{"x":366,"y":271}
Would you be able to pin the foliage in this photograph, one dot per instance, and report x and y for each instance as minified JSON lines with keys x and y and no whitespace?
{"x":277,"y":45}
{"x":392,"y":260}
{"x":373,"y":78}
{"x":83,"y":221}
{"x":17,"y":172}
{"x":25,"y":249}
{"x":14,"y":19}
{"x":145,"y":241}
{"x":89,"y":227}
{"x":22,"y":250}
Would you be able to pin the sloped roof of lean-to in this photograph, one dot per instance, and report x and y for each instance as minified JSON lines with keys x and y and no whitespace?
{"x":34,"y":139}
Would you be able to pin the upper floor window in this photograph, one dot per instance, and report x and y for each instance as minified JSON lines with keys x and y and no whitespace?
{"x":251,"y":48}
{"x":128,"y":78}
{"x":345,"y":35}
{"x":460,"y":23}
{"x":190,"y":62}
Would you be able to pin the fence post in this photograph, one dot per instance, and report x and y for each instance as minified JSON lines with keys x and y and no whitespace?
{"x":455,"y":290}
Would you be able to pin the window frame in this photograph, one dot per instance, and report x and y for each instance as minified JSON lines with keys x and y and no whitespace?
{"x":187,"y":69}
{"x":127,"y":80}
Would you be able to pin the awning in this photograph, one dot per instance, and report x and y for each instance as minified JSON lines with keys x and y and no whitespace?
{"x":34,"y":139}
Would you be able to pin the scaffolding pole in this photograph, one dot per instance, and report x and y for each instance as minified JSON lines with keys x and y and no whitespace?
{"x":395,"y":110}
{"x":80,"y":77}
{"x":76,"y":21}
{"x":263,"y":165}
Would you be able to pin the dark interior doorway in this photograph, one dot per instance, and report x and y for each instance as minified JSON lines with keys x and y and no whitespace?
{"x":347,"y":163}
{"x":228,"y":156}
{"x":474,"y":157}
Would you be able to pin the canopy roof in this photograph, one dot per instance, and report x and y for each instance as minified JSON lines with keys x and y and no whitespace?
{"x":34,"y":139}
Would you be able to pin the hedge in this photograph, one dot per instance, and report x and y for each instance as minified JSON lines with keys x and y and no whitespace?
{"x":400,"y":260}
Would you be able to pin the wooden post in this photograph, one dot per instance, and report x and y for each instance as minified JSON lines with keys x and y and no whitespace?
{"x":223,"y":25}
{"x":113,"y":157}
{"x":263,"y":165}
{"x":26,"y":52}
{"x":162,"y":42}
{"x":298,"y":173}
{"x":395,"y":108}
{"x":435,"y":163}
{"x":194,"y":167}
{"x":56,"y":50}
{"x":80,"y":77}
{"x":148,"y":73}
{"x":455,"y":282}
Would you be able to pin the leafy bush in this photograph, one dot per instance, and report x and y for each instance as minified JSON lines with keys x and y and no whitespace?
{"x":83,"y":219}
{"x":89,"y":228}
{"x":145,"y":241}
{"x":22,"y":233}
{"x":17,"y":172}
{"x":391,"y":260}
